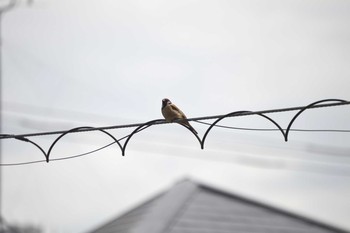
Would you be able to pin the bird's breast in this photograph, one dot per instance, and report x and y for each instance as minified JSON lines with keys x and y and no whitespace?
{"x":169,"y":114}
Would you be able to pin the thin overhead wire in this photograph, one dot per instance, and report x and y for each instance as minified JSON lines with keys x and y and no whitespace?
{"x":161,"y":121}
{"x":69,"y":157}
{"x":143,"y":126}
{"x":112,"y":143}
{"x":338,"y":170}
{"x":270,"y":129}
{"x":59,"y":159}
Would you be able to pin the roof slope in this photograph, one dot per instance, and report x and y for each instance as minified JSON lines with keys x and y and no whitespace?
{"x":189,"y":207}
{"x":126,"y":222}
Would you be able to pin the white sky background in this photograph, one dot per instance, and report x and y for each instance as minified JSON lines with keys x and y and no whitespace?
{"x":75,"y":63}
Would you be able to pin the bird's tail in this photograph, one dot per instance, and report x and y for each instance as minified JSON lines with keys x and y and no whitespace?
{"x":187,"y":125}
{"x":193,"y":130}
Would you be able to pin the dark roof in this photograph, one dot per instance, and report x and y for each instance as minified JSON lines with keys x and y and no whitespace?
{"x":189,"y":207}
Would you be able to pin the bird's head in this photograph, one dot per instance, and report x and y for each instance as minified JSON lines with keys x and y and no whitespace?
{"x":165,"y":102}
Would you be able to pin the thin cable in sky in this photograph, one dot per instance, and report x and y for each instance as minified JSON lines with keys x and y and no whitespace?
{"x":58,"y":159}
{"x":161,"y":121}
{"x":122,"y":138}
{"x":264,"y":129}
{"x":313,"y":169}
{"x":68,"y":157}
{"x":143,"y":126}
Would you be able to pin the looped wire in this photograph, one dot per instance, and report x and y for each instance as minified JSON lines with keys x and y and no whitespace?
{"x":308,"y":107}
{"x":77,"y":130}
{"x":237,"y":113}
{"x":23,"y":139}
{"x":143,"y":126}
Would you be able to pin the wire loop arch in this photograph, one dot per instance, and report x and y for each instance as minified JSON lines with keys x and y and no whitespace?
{"x":143,"y":126}
{"x":146,"y":125}
{"x":234,"y":114}
{"x":199,"y":140}
{"x":307,"y":107}
{"x":77,"y":130}
{"x":24,"y":139}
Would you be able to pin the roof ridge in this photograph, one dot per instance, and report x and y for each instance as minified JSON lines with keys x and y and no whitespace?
{"x":183,"y":209}
{"x":172,"y":204}
{"x":169,"y":204}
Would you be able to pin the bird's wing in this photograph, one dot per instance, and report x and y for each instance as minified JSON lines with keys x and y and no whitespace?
{"x":176,"y":109}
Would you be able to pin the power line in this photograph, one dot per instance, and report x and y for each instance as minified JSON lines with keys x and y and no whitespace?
{"x":284,"y":167}
{"x":142,"y":126}
{"x":69,"y":157}
{"x":122,"y":138}
{"x":161,"y":121}
{"x":110,"y":144}
{"x":269,"y":129}
{"x":58,"y":159}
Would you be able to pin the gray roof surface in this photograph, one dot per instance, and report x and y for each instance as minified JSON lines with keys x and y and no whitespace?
{"x":189,"y":207}
{"x":126,"y":222}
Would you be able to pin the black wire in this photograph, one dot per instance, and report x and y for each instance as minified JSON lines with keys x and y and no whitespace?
{"x":202,"y":158}
{"x":165,"y":122}
{"x":261,"y":129}
{"x":110,"y":144}
{"x":83,"y":154}
{"x":72,"y":156}
{"x":22,"y":163}
{"x":198,"y":120}
{"x":58,"y":159}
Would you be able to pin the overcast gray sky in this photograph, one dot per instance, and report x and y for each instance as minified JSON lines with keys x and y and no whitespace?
{"x":76,"y":63}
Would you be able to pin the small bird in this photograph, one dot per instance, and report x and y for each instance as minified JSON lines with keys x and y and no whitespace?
{"x":171,"y":113}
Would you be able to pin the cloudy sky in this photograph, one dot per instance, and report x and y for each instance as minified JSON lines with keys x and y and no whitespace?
{"x":99,"y":63}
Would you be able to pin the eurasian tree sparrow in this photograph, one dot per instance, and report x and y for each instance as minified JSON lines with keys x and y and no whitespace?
{"x":171,"y":113}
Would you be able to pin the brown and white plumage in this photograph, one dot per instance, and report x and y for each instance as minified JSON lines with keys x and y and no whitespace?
{"x":171,"y":113}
